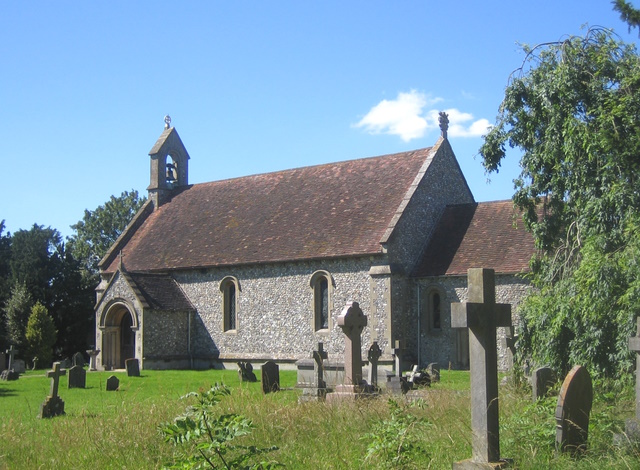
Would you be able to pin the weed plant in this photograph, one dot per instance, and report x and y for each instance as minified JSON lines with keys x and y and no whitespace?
{"x":104,"y":430}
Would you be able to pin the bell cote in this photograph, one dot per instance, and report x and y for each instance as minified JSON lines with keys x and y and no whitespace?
{"x":169,"y":165}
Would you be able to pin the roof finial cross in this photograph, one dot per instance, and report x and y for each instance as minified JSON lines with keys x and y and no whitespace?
{"x":167,"y":121}
{"x":443,"y":119}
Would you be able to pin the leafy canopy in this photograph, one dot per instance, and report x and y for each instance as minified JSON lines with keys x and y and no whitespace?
{"x":573,"y":110}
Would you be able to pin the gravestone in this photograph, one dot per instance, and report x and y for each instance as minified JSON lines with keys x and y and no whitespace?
{"x":374,"y":355}
{"x":542,"y":380}
{"x":78,"y":359}
{"x":77,"y":377}
{"x":93,"y":353}
{"x":572,"y":411}
{"x":133,"y":367}
{"x":510,"y":339}
{"x":113,"y":383}
{"x":19,"y":366}
{"x":418,"y":377}
{"x":270,"y":377}
{"x":318,"y":390}
{"x":398,"y":384}
{"x":352,"y":321}
{"x":482,"y":316}
{"x":433,"y":369}
{"x":245,"y":372}
{"x":10,"y":373}
{"x":11,"y":354}
{"x":53,"y":405}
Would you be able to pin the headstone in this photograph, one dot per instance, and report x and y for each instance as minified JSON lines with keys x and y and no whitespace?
{"x":78,"y":359}
{"x":433,"y":370}
{"x":482,"y":316}
{"x":245,"y":372}
{"x":317,"y":390}
{"x":133,"y":367}
{"x":352,"y":321}
{"x":374,"y":355}
{"x":542,"y":380}
{"x":113,"y":383}
{"x":270,"y":377}
{"x":93,"y":353}
{"x":398,"y":384}
{"x":572,"y":411}
{"x":53,"y":405}
{"x":19,"y":366}
{"x":398,"y":351}
{"x":510,"y":339}
{"x":77,"y":377}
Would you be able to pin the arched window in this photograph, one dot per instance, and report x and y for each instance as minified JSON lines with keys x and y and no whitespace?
{"x":229,"y":287}
{"x":322,"y":285}
{"x":435,"y":307}
{"x":432,"y":307}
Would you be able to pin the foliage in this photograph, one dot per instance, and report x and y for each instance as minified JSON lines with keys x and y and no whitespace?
{"x":393,"y":441}
{"x":628,"y":14}
{"x":211,"y":434}
{"x":40,"y":336}
{"x":5,"y":287}
{"x":572,"y":109}
{"x":99,"y":229}
{"x":17,"y":313}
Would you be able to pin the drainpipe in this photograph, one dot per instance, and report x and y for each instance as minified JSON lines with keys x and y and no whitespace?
{"x":189,"y":341}
{"x":419,"y":327}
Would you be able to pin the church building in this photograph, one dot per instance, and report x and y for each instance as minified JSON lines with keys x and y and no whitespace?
{"x":259,"y":267}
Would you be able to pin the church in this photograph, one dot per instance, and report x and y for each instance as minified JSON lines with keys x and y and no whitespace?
{"x":259,"y":267}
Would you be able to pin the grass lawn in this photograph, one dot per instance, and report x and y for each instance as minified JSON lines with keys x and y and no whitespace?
{"x":120,"y":429}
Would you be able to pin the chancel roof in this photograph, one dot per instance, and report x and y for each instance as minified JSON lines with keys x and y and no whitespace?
{"x":478,"y":235}
{"x":325,"y":211}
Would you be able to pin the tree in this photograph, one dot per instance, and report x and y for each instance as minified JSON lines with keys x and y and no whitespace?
{"x":628,"y":14}
{"x":99,"y":229}
{"x":573,"y":110}
{"x":17,"y":313}
{"x":5,"y":286}
{"x":40,"y":336}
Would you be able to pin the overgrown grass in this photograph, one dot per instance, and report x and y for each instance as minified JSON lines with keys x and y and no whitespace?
{"x":121,"y":429}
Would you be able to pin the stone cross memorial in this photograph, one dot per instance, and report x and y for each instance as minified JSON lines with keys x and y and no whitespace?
{"x":53,"y":405}
{"x":482,"y":316}
{"x":373,"y":355}
{"x":11,"y":353}
{"x":572,"y":411}
{"x":318,"y":366}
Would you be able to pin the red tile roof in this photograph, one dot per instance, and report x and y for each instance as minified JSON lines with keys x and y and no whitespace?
{"x":332,"y":210}
{"x":479,"y":235}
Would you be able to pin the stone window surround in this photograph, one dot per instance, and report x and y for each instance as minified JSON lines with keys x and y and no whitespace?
{"x":430,"y":292}
{"x":314,"y":283}
{"x":224,"y":289}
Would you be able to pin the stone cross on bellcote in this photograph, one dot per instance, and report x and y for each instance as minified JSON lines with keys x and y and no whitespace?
{"x":482,"y":316}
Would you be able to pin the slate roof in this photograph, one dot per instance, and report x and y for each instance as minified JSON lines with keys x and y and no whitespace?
{"x":478,"y":235}
{"x":325,"y":211}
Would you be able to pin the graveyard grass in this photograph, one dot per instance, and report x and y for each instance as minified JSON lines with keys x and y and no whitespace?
{"x":103,"y":430}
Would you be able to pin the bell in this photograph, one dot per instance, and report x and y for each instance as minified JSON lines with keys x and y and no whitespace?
{"x":171,"y":173}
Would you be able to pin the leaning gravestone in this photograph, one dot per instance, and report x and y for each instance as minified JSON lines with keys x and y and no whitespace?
{"x":53,"y":405}
{"x":542,"y":380}
{"x":572,"y":411}
{"x":245,"y":372}
{"x":113,"y":383}
{"x":482,"y":316}
{"x":133,"y":367}
{"x":374,"y":355}
{"x":433,"y":369}
{"x":77,"y":377}
{"x":270,"y":377}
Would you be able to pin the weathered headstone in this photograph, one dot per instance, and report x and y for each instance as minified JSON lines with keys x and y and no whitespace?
{"x":78,"y":359}
{"x":93,"y":353}
{"x":53,"y":405}
{"x":113,"y":383}
{"x":77,"y":377}
{"x":245,"y":372}
{"x":542,"y":380}
{"x":352,"y":321}
{"x":433,"y":369}
{"x":133,"y":367}
{"x":510,"y":339}
{"x":572,"y":412}
{"x":374,"y":355}
{"x":270,"y":377}
{"x":19,"y":366}
{"x":482,"y":316}
{"x":10,"y":373}
{"x":398,"y":384}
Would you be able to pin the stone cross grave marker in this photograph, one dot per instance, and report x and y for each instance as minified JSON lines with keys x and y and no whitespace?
{"x":77,"y":377}
{"x":93,"y":353}
{"x":482,"y":316}
{"x":53,"y":405}
{"x":318,"y":366}
{"x":542,"y":380}
{"x":270,"y":377}
{"x":352,"y":321}
{"x":572,"y":411}
{"x":398,"y":349}
{"x":373,"y":355}
{"x":11,"y":352}
{"x":113,"y":383}
{"x":133,"y":367}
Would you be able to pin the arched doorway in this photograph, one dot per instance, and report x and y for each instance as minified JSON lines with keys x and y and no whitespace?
{"x":119,"y":337}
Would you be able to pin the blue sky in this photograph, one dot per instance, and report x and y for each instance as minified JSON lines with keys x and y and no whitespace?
{"x":251,"y":87}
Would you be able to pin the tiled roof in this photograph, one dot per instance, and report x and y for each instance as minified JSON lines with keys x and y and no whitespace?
{"x":161,"y":292}
{"x":479,"y":235}
{"x":332,"y":210}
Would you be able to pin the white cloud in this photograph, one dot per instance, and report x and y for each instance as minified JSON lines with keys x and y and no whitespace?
{"x":405,"y":118}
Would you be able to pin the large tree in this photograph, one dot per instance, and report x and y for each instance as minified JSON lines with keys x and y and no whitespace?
{"x":40,"y":336}
{"x":573,"y":110}
{"x":100,"y":228}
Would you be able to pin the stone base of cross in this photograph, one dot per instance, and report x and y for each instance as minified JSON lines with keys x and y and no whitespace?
{"x":53,"y":405}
